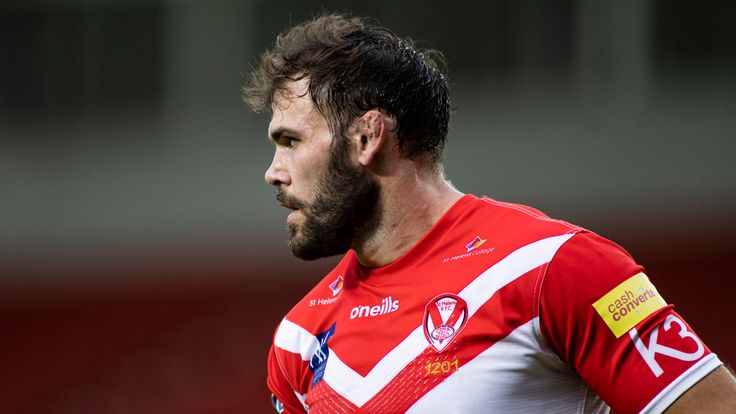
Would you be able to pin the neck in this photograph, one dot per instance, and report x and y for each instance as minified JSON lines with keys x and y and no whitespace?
{"x":410,"y":205}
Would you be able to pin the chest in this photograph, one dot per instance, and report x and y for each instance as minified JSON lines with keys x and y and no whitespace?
{"x":464,"y":328}
{"x":399,"y":344}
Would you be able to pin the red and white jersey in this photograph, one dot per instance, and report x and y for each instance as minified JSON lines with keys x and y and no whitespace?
{"x":498,"y":308}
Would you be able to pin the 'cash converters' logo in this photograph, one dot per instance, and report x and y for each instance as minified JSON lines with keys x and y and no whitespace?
{"x":629,"y":303}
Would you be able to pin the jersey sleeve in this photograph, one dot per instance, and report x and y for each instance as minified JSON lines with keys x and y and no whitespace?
{"x":602,"y":316}
{"x":284,"y":398}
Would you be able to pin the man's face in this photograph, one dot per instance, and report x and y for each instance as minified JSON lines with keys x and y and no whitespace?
{"x":332,"y":199}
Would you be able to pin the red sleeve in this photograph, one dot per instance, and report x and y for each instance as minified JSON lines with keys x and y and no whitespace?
{"x":602,"y":316}
{"x":283,"y":395}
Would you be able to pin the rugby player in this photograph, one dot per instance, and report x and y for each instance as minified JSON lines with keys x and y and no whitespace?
{"x":444,"y":302}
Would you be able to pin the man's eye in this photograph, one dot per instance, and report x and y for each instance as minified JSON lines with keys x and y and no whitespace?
{"x":288,"y":142}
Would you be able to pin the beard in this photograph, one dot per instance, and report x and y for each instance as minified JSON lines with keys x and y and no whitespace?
{"x":344,"y":210}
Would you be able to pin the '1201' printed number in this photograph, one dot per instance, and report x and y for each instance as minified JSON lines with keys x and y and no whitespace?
{"x":444,"y":367}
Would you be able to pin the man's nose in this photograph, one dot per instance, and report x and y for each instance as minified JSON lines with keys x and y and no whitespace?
{"x":276,"y":174}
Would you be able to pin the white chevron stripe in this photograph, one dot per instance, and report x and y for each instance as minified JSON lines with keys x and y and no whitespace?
{"x":507,"y":270}
{"x":358,"y":389}
{"x":293,"y":338}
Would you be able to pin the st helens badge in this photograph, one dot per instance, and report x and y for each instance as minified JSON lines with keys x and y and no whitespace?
{"x":444,"y":317}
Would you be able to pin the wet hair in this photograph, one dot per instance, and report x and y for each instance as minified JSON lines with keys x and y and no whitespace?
{"x":353,"y":66}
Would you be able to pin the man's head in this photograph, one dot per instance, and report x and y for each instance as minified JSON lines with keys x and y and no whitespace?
{"x":334,"y":85}
{"x":352,"y":67}
{"x":334,"y":198}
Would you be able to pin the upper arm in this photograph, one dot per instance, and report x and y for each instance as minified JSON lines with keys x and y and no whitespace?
{"x":716,"y":393}
{"x":602,"y":316}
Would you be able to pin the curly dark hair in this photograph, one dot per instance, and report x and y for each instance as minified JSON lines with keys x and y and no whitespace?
{"x":353,"y":66}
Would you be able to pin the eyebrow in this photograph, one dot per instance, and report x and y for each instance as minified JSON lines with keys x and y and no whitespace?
{"x":281,"y":131}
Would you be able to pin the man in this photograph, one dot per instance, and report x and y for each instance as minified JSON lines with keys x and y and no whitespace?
{"x":444,"y":302}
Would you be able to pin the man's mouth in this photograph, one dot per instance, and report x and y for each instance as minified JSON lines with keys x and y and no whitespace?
{"x":289,"y":202}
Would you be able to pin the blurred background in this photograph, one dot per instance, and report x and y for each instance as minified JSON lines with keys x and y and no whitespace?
{"x":143,"y":262}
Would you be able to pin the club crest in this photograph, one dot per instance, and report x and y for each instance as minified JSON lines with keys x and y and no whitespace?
{"x":444,"y":317}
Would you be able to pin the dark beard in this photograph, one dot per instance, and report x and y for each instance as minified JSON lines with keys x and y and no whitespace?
{"x":346,"y":205}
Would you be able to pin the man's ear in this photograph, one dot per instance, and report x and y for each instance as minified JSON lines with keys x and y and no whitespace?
{"x":372,"y":134}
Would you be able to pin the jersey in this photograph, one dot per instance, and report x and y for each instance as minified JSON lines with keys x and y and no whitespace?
{"x":497,"y":308}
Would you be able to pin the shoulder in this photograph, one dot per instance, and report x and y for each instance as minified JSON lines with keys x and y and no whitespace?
{"x":515,"y":217}
{"x":584,"y":270}
{"x":514,"y":228}
{"x":588,"y":266}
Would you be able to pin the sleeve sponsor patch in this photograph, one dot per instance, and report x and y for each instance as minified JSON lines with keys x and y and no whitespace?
{"x":629,"y":303}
